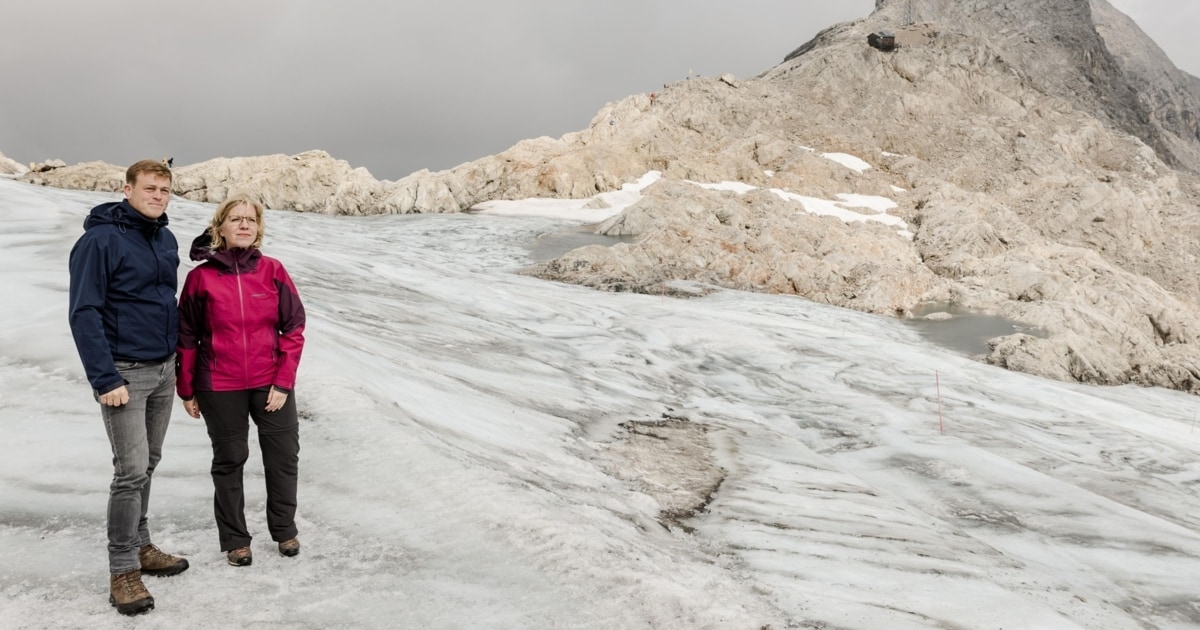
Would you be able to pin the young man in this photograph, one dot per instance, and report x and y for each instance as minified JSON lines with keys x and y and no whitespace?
{"x":125,"y":323}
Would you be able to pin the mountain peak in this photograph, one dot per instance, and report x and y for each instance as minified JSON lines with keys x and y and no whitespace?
{"x":1084,"y":51}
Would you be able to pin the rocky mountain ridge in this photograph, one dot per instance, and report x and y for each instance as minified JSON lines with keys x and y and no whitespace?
{"x":1043,"y":153}
{"x":10,"y":167}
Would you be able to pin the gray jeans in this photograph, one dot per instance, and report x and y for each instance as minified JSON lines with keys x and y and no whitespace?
{"x":136,"y":431}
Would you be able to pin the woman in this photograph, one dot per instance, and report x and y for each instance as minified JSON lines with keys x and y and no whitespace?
{"x":241,"y":331}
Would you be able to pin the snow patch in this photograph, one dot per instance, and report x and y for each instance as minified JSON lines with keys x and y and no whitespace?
{"x":849,"y":161}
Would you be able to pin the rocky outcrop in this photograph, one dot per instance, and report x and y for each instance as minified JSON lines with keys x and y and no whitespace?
{"x":756,"y":241}
{"x":312,"y":181}
{"x":1169,"y":97}
{"x":1039,"y":185}
{"x":10,"y":167}
{"x":1086,"y":52}
{"x":83,"y":176}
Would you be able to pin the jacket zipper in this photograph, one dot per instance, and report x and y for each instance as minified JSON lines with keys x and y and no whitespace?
{"x":245,"y":341}
{"x":158,"y":283}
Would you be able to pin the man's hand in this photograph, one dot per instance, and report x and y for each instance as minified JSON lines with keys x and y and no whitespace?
{"x":192,"y":408}
{"x":116,"y":397}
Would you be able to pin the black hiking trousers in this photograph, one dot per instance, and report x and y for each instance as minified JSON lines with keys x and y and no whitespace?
{"x":227,"y":416}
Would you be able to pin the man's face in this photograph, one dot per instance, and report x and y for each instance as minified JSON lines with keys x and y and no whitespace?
{"x":149,"y":194}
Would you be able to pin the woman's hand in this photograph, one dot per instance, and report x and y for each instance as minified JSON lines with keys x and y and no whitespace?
{"x":192,"y":408}
{"x":275,"y":399}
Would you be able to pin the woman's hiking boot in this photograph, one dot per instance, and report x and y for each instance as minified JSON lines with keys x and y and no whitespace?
{"x":128,"y":594}
{"x":290,"y":547}
{"x":156,"y":562}
{"x":240,"y":557}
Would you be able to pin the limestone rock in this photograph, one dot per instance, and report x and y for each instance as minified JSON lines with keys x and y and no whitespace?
{"x":1049,"y":205}
{"x":48,"y":165}
{"x":756,"y":242}
{"x":312,"y":181}
{"x":83,"y":176}
{"x":10,"y":167}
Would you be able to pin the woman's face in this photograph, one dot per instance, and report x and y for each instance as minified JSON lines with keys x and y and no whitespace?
{"x":240,"y":227}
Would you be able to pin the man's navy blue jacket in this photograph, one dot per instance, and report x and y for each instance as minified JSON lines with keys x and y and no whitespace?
{"x":124,"y":272}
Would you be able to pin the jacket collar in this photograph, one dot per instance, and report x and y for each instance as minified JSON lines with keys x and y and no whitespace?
{"x":234,"y":260}
{"x":122,"y":215}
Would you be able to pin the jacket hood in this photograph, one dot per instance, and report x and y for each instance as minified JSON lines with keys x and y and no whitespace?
{"x":202,"y":247}
{"x":122,"y":215}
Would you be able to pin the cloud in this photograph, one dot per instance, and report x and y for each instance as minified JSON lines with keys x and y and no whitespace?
{"x":394,"y":87}
{"x":391,"y":86}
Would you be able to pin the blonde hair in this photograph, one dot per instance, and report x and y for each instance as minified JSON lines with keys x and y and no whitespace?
{"x":222,"y":213}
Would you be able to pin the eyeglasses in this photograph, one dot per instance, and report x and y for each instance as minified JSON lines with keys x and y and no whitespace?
{"x":246,"y":220}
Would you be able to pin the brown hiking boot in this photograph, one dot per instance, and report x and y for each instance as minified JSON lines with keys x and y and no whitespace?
{"x":128,"y":594}
{"x":156,"y":562}
{"x":240,"y":557}
{"x":290,"y":548}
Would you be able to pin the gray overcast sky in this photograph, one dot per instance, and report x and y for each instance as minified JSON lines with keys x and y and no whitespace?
{"x":394,"y":86}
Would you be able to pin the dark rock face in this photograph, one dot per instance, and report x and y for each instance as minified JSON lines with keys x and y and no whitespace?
{"x":1169,"y":97}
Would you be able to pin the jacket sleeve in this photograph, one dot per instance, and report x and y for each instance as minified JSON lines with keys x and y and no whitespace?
{"x":191,"y":331}
{"x":90,"y":266}
{"x":291,"y":330}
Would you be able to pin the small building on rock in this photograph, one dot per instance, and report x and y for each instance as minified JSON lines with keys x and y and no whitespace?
{"x":883,"y":40}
